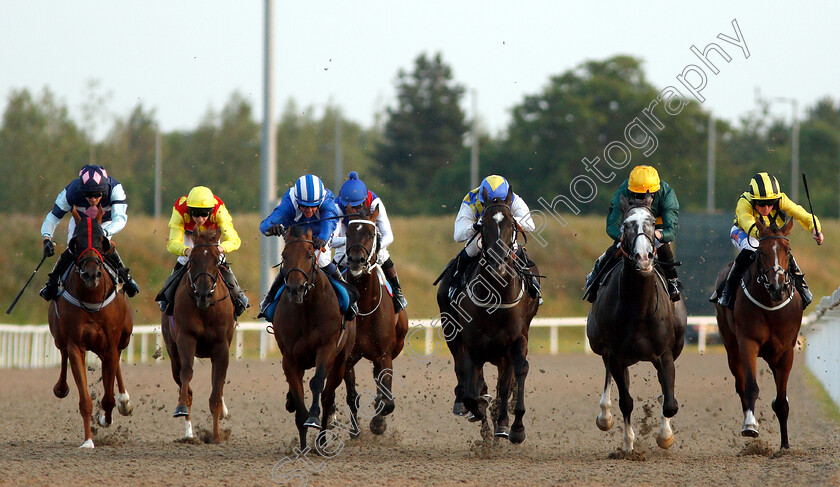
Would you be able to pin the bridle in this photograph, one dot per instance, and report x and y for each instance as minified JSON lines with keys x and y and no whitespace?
{"x":627,"y":245}
{"x":509,"y":253}
{"x":97,"y":257}
{"x":370,"y":255}
{"x":762,"y":277}
{"x":310,"y":276}
{"x":99,"y":260}
{"x":213,"y":277}
{"x":516,"y":231}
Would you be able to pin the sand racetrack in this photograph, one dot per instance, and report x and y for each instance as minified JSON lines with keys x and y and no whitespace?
{"x":424,"y":444}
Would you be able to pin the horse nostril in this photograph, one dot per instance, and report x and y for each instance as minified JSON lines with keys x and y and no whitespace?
{"x":650,"y":255}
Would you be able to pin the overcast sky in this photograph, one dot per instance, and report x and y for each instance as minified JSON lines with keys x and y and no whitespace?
{"x":182,"y":58}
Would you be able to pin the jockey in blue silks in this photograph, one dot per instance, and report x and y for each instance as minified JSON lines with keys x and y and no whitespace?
{"x":309,"y":203}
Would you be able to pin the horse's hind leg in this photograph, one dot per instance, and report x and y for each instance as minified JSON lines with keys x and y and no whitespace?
{"x":665,"y":368}
{"x":76,"y":357}
{"x":124,"y":405}
{"x":472,"y":380}
{"x":781,"y":373}
{"x":219,"y":372}
{"x":605,"y":420}
{"x":503,"y":387}
{"x":621,"y":375}
{"x":352,"y":396}
{"x":186,"y":353}
{"x":295,"y":379}
{"x":110,"y":362}
{"x":520,"y":369}
{"x":61,"y":389}
{"x":748,"y":350}
{"x":383,"y":376}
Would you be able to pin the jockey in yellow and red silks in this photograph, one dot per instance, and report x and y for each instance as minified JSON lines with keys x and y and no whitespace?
{"x":200,"y":210}
{"x":765,"y":200}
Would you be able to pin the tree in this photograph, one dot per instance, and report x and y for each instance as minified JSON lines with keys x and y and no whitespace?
{"x":423,"y":134}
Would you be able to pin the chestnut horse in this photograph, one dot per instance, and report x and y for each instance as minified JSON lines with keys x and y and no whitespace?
{"x":379,"y":332}
{"x":201,"y":326}
{"x":633,"y":320}
{"x":310,"y":332}
{"x":765,"y":323}
{"x":493,"y":316}
{"x":92,"y":314}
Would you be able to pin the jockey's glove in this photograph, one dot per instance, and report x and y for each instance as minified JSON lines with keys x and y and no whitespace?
{"x":318,"y":243}
{"x":477,"y":226}
{"x":49,"y":248}
{"x":275,"y":230}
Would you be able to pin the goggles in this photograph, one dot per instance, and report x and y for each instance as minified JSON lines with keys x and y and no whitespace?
{"x":200,"y":212}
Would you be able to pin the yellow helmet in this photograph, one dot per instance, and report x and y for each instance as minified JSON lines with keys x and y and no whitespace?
{"x":643,"y":179}
{"x":201,"y":197}
{"x":764,"y":186}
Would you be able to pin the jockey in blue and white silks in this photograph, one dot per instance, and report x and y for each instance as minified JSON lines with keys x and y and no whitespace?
{"x":354,"y":195}
{"x":92,"y":190}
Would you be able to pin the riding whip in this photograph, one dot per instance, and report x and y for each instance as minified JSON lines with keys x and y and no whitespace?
{"x":9,"y":311}
{"x":810,"y":206}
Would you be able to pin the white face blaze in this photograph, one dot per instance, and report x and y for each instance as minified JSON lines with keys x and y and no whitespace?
{"x":635,"y":225}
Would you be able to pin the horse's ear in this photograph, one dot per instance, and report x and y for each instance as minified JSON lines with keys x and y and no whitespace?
{"x":76,"y":215}
{"x":624,"y":204}
{"x":509,"y":196}
{"x":759,"y":224}
{"x":375,"y":213}
{"x":484,"y":195}
{"x":788,"y":227}
{"x":215,"y":234}
{"x":99,"y":213}
{"x":648,"y":199}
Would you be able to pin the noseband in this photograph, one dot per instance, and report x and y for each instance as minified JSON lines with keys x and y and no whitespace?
{"x":310,"y":276}
{"x":370,"y":255}
{"x":80,"y":261}
{"x":763,"y":272}
{"x":213,"y":277}
{"x":627,"y":246}
{"x":513,"y":239}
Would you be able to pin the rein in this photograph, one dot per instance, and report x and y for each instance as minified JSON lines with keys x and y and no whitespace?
{"x":213,"y":278}
{"x":761,"y":278}
{"x":510,"y":253}
{"x":370,"y":255}
{"x":310,"y":276}
{"x":108,"y":299}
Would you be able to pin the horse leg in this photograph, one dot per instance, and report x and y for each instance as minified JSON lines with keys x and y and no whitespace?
{"x":665,"y":369}
{"x":334,"y":378}
{"x":124,"y":405}
{"x":61,"y":389}
{"x":781,"y":373}
{"x":384,"y":400}
{"x":457,"y":349}
{"x":219,"y":372}
{"x":520,"y":369}
{"x":748,"y":350}
{"x":472,"y":376}
{"x":621,"y":375}
{"x":76,"y":357}
{"x":605,"y":420}
{"x":109,"y":365}
{"x":503,"y":386}
{"x":295,"y":379}
{"x":186,"y":352}
{"x":316,"y":385}
{"x":352,"y":396}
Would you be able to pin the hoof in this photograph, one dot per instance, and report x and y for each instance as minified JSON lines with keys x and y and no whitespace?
{"x":87,"y":444}
{"x":517,"y":437}
{"x":458,"y":409}
{"x":61,"y":392}
{"x":181,"y":411}
{"x":312,"y":422}
{"x":750,"y":431}
{"x":125,"y":408}
{"x":378,"y":425}
{"x":502,"y":432}
{"x":665,"y":443}
{"x":605,"y":423}
{"x":102,"y":421}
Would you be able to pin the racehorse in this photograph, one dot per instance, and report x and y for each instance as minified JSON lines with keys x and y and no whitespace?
{"x":201,"y":326}
{"x":92,"y":314}
{"x":494,"y":315}
{"x":310,"y":332}
{"x":765,"y":323}
{"x":380,"y":334}
{"x":633,"y":320}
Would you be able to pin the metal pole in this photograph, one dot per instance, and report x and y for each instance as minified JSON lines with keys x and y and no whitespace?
{"x":268,"y":148}
{"x":794,"y":157}
{"x":339,"y":157}
{"x":158,"y":173}
{"x":710,"y":171}
{"x":474,"y":151}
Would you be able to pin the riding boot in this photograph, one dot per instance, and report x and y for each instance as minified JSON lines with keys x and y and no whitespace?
{"x":592,"y":283}
{"x":129,"y":285}
{"x":272,"y":292}
{"x":50,"y":290}
{"x":166,"y":296}
{"x":240,"y":302}
{"x":391,"y":274}
{"x":799,"y":282}
{"x":668,"y":265}
{"x":459,"y":278}
{"x":532,"y":284}
{"x":727,"y":297}
{"x":353,"y":309}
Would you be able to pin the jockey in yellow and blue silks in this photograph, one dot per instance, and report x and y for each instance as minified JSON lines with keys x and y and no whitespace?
{"x":92,"y":190}
{"x":352,"y":196}
{"x":643,"y":181}
{"x":200,"y":210}
{"x":310,"y":204}
{"x":468,"y":224}
{"x":765,"y":200}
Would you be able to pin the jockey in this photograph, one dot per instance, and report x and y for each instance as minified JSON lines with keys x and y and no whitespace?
{"x":352,"y":196}
{"x":468,"y":224}
{"x":308,"y":202}
{"x":643,"y":180}
{"x":765,"y":200}
{"x":197,"y":211}
{"x":93,"y":189}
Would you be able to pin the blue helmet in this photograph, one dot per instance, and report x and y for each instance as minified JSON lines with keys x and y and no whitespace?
{"x":309,"y":190}
{"x":353,"y":192}
{"x":94,"y":179}
{"x":496,"y":186}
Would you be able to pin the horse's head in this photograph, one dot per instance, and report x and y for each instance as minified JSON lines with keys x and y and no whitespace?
{"x":772,"y":257}
{"x":89,"y":244}
{"x":498,"y":231}
{"x":638,"y":233}
{"x":362,"y":241}
{"x":299,"y":263}
{"x":203,"y":266}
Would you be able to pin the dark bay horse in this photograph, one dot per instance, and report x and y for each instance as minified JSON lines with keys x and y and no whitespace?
{"x":92,"y":314}
{"x":310,"y":332}
{"x":380,"y":334}
{"x":493,"y":317}
{"x":633,"y":320}
{"x":765,"y":323}
{"x":201,"y":325}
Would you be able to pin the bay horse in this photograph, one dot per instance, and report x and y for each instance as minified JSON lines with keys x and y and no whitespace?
{"x":632,"y":320}
{"x":310,"y":331}
{"x":765,"y":323}
{"x":92,"y":314}
{"x":201,"y":325}
{"x":494,"y":316}
{"x":380,"y":334}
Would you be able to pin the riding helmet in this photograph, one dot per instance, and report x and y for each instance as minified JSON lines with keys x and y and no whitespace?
{"x":643,"y":179}
{"x":94,"y":179}
{"x":496,"y":186}
{"x":201,"y":197}
{"x":353,"y":192}
{"x":309,"y":190}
